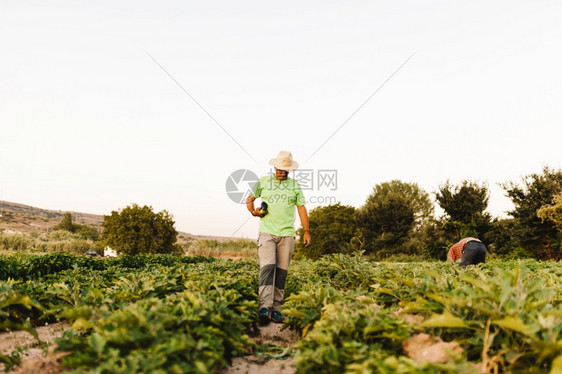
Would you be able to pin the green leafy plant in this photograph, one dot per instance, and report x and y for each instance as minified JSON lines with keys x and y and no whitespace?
{"x":135,"y":230}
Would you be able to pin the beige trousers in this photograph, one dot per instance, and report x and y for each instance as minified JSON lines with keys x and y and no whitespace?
{"x":275,"y":254}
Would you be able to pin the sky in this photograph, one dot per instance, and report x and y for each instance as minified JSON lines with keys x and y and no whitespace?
{"x":108,"y":103}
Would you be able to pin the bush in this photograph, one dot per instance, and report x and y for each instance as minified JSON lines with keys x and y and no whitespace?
{"x":16,"y":242}
{"x":502,"y":237}
{"x":135,"y":230}
{"x":66,"y":223}
{"x":331,"y":228}
{"x":79,"y":246}
{"x":83,"y":231}
{"x":57,"y":241}
{"x":465,"y":206}
{"x":540,"y":238}
{"x":58,"y":235}
{"x":241,"y":247}
{"x":552,"y":212}
{"x":392,"y":216}
{"x":87,"y":232}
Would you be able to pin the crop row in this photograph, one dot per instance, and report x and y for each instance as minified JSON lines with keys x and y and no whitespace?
{"x":26,"y":267}
{"x":178,"y":318}
{"x":507,"y":316}
{"x":175,"y":314}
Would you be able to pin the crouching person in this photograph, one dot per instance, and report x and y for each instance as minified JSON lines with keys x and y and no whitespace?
{"x":470,"y":251}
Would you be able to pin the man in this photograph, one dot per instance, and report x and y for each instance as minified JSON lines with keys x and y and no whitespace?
{"x":471,"y":251}
{"x":276,"y":241}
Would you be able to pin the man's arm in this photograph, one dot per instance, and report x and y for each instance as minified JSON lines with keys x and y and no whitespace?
{"x":303,"y":215}
{"x":455,"y":252}
{"x":250,"y":205}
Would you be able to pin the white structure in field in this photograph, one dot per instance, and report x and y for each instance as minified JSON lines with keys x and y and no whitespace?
{"x":109,"y":252}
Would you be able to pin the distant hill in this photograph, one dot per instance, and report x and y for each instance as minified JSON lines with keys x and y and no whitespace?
{"x":25,"y":219}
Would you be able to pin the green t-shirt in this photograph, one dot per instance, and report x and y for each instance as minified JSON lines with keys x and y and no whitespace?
{"x":281,"y":198}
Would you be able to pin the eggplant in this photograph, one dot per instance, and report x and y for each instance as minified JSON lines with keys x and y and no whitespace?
{"x":263,"y":208}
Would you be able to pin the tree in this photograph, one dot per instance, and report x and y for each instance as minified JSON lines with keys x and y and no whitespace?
{"x":552,"y":212}
{"x":136,"y":229}
{"x":66,"y":223}
{"x":464,"y":206}
{"x":85,"y":231}
{"x":435,"y":240}
{"x":540,"y":238}
{"x":331,"y":227}
{"x":503,"y":239}
{"x":392,"y":216}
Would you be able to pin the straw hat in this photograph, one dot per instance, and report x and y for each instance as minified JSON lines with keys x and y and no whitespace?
{"x":284,"y":161}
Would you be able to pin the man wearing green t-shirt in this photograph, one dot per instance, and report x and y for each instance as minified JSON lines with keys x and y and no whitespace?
{"x":276,"y":241}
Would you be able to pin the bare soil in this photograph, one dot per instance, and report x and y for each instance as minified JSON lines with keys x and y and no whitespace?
{"x":37,"y":356}
{"x":249,"y":365}
{"x":253,"y":364}
{"x":49,"y":364}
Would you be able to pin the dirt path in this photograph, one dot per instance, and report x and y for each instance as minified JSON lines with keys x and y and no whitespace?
{"x":271,"y":338}
{"x":37,"y":357}
{"x":47,"y":334}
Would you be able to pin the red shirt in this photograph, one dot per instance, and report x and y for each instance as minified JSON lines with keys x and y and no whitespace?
{"x":455,"y":252}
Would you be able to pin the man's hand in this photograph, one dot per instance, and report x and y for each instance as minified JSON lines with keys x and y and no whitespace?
{"x":258,"y":213}
{"x":306,"y":238}
{"x":303,"y":215}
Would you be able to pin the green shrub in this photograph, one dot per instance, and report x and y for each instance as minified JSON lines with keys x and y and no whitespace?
{"x":58,"y":235}
{"x":87,"y":232}
{"x":16,"y":242}
{"x":211,"y":247}
{"x":135,"y":230}
{"x":77,"y":246}
{"x":540,"y":237}
{"x":332,"y":228}
{"x":392,"y":217}
{"x":82,"y":231}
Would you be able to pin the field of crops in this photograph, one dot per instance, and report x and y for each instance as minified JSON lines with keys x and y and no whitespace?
{"x":165,"y":314}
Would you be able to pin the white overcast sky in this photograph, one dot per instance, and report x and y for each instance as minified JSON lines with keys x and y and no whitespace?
{"x":89,"y":122}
